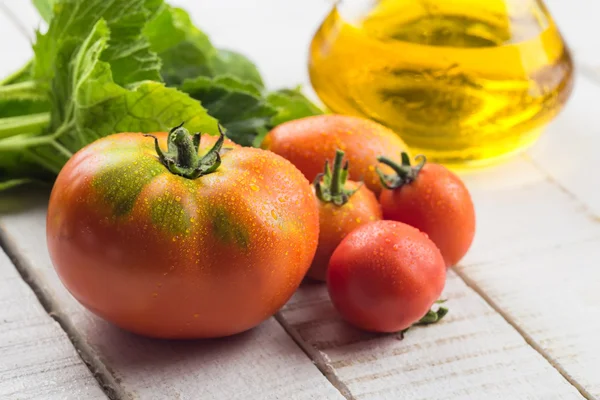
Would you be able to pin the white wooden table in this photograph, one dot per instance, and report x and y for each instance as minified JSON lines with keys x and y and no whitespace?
{"x":525,"y":303}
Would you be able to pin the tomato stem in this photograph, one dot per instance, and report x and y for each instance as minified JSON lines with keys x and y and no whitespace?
{"x":404,"y":172}
{"x":336,"y":185}
{"x":330,"y":185}
{"x":181,"y":157}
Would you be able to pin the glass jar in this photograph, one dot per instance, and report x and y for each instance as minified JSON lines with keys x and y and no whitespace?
{"x":465,"y":82}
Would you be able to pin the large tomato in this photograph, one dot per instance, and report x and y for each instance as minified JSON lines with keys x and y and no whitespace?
{"x":176,"y":245}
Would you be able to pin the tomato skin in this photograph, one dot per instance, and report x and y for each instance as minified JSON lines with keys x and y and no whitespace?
{"x":438,"y":203}
{"x":335,"y":222}
{"x":169,"y":257}
{"x":385,"y":276}
{"x":310,"y":141}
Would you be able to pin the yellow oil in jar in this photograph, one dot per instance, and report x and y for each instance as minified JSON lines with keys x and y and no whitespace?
{"x":463,"y":81}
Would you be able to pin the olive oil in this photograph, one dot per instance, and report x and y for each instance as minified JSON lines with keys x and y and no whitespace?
{"x":462,"y":81}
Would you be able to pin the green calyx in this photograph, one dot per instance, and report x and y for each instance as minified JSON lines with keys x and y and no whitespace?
{"x":432,"y":316}
{"x":330,"y":185}
{"x":181,"y":157}
{"x":404,"y":172}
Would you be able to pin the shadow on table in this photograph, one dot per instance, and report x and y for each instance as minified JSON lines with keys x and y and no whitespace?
{"x":139,"y":357}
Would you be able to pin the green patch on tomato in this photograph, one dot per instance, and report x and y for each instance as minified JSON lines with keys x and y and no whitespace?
{"x":168,"y":213}
{"x":229,"y":230}
{"x":120,"y":186}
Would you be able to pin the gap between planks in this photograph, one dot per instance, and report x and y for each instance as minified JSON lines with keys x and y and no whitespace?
{"x":530,"y":341}
{"x":315,"y":355}
{"x":97,"y":368}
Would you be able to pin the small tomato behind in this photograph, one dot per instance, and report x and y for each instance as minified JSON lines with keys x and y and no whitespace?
{"x":309,"y":142}
{"x":343,"y":206}
{"x":432,"y":199}
{"x":385,"y":276}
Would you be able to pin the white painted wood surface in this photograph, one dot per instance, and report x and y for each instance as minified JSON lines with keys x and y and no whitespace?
{"x":471,"y":354}
{"x":537,"y":251}
{"x":534,"y":260}
{"x":37,"y":360}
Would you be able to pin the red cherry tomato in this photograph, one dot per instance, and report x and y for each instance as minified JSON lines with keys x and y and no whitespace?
{"x":432,"y":199}
{"x":343,"y":206}
{"x":385,"y":276}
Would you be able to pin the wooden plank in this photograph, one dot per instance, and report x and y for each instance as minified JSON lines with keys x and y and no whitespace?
{"x":553,"y":297}
{"x":520,"y":210}
{"x":545,"y":280}
{"x":37,"y":360}
{"x":470,"y":354}
{"x":263,"y":363}
{"x":568,"y":152}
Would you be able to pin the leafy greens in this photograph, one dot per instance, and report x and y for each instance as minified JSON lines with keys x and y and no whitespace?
{"x":108,"y":66}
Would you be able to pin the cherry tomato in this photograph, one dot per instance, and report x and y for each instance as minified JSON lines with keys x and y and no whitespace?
{"x":343,"y":206}
{"x":309,"y":142}
{"x":432,"y":199}
{"x":385,"y":276}
{"x":191,"y":242}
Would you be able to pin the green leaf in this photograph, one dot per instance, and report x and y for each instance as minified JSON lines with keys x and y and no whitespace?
{"x":128,"y":53}
{"x":232,"y":63}
{"x":236,"y":105}
{"x":101,"y":107}
{"x":45,"y":8}
{"x":186,"y":52}
{"x":97,"y":106}
{"x":291,"y":104}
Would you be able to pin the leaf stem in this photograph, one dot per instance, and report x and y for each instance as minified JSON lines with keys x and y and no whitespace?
{"x":66,"y":152}
{"x":28,"y":90}
{"x":48,"y":164}
{"x":17,"y":74}
{"x":5,"y":185}
{"x":22,"y":141}
{"x":33,"y":123}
